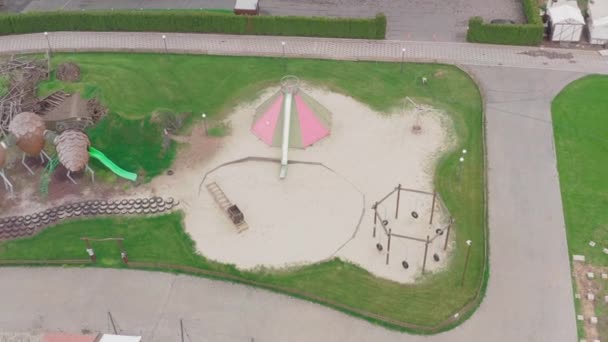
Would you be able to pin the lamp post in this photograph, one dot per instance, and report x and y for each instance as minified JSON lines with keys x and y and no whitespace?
{"x":165,"y":43}
{"x":402,"y":58}
{"x":204,"y":116}
{"x":466,"y":261}
{"x":48,"y":40}
{"x":284,"y":58}
{"x":460,"y":167}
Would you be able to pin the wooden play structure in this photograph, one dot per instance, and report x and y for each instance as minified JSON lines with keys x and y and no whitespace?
{"x":234,"y":213}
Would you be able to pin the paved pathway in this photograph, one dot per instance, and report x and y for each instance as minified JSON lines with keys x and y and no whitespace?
{"x":390,"y":50}
{"x":529,"y":296}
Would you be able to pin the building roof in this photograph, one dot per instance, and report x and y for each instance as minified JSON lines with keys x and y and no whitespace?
{"x":598,"y":10}
{"x":566,"y":12}
{"x":250,"y":5}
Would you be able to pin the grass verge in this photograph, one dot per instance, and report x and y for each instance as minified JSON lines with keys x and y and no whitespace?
{"x":579,"y":124}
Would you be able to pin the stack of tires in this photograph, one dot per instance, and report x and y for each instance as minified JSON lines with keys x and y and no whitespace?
{"x":22,"y":226}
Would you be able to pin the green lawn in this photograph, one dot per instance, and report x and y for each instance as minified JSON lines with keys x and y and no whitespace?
{"x":580,"y":123}
{"x":135,"y":85}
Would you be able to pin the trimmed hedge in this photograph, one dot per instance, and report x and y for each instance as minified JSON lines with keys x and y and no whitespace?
{"x":522,"y":34}
{"x":192,"y":21}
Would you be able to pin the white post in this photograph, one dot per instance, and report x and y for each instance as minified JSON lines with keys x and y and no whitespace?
{"x":48,"y":41}
{"x":284,"y":59}
{"x":204,"y":116}
{"x":165,"y":43}
{"x":460,"y":167}
{"x":286,"y":127}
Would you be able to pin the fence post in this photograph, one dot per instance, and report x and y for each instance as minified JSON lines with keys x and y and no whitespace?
{"x":388,"y":245}
{"x":433,"y":206}
{"x":398,"y":197}
{"x":375,"y":217}
{"x":426,"y":249}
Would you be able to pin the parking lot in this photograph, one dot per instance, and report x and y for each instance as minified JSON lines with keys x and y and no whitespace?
{"x":422,"y":20}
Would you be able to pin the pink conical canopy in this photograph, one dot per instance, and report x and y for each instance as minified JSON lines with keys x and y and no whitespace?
{"x":310,"y":121}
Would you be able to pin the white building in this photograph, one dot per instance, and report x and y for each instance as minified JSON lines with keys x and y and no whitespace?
{"x":566,"y":21}
{"x":598,"y":21}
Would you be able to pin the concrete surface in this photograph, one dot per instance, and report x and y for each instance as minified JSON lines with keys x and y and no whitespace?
{"x":323,"y":48}
{"x":529,"y":265}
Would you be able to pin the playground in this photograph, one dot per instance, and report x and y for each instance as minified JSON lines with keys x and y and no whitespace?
{"x":358,"y":185}
{"x":319,"y":205}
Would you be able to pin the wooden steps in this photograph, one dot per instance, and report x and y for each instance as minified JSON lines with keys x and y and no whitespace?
{"x":222,"y":200}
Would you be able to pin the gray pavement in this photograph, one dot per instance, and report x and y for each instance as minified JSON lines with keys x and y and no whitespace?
{"x":529,"y":263}
{"x":423,"y":20}
{"x":344,"y":49}
{"x":529,"y":295}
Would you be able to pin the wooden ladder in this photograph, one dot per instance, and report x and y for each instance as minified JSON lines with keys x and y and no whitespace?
{"x":219,"y":196}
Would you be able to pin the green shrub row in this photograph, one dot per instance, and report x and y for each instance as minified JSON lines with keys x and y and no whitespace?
{"x":524,"y":34}
{"x":192,"y":21}
{"x":530,"y":33}
{"x":531,"y":10}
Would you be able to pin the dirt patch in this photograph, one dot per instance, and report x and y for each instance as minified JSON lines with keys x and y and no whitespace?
{"x":439,"y":73}
{"x":23,"y":74}
{"x":590,"y":308}
{"x":96,"y":110}
{"x":68,"y":72}
{"x":548,"y":54}
{"x":196,"y":149}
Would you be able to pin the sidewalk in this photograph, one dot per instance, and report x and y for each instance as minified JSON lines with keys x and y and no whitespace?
{"x":324,"y":48}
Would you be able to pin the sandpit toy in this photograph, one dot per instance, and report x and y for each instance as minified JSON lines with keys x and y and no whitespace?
{"x":72,"y":147}
{"x":234,"y":213}
{"x":28,"y":132}
{"x":291,"y":119}
{"x":117,"y":170}
{"x":390,"y":234}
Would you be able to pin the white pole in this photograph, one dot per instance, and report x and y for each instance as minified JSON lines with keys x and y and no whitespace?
{"x":286,"y":127}
{"x":48,"y":40}
{"x":204,"y":116}
{"x":284,"y":59}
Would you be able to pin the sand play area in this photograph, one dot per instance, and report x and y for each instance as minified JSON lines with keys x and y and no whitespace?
{"x":323,"y":208}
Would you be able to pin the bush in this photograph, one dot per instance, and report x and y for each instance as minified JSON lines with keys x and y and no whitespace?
{"x":380,"y":26}
{"x":192,"y":21}
{"x":531,"y":10}
{"x":525,"y":34}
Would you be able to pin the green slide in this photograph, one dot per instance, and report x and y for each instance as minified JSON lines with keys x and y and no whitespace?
{"x":110,"y":165}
